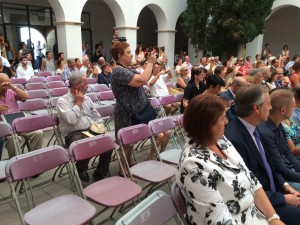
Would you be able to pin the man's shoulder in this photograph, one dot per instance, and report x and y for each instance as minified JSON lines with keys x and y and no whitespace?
{"x":234,"y":129}
{"x":227,"y":95}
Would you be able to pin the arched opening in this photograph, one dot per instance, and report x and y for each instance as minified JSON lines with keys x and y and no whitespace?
{"x":31,"y":37}
{"x":181,"y":40}
{"x":147,"y":32}
{"x":281,"y":29}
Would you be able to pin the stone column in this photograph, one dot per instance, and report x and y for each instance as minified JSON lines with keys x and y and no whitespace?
{"x":167,"y":38}
{"x":131,"y":35}
{"x":255,"y":47}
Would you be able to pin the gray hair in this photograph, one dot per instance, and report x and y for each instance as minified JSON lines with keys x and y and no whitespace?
{"x":253,"y":72}
{"x":70,"y":60}
{"x":247,"y":97}
{"x":76,"y":77}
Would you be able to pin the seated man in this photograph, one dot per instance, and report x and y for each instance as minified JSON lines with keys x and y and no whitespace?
{"x":76,"y":113}
{"x":252,"y":106}
{"x":24,"y":70}
{"x":274,"y":137}
{"x":9,"y":95}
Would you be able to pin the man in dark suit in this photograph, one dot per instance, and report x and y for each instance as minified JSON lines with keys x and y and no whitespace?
{"x":252,"y":107}
{"x":229,"y":95}
{"x":273,"y":136}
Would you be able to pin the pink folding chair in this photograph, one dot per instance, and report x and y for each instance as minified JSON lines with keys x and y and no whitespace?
{"x":157,"y":106}
{"x":93,"y":96}
{"x":162,"y":125}
{"x":44,"y":74}
{"x":22,"y":81}
{"x":38,"y":94}
{"x":55,"y":92}
{"x":100,"y":87}
{"x":92,"y":80}
{"x":21,"y":86}
{"x":67,"y":83}
{"x":106,"y":97}
{"x":167,"y":100}
{"x":37,"y":80}
{"x":55,"y":84}
{"x":152,"y":171}
{"x":179,"y":97}
{"x":107,"y":113}
{"x":171,"y":85}
{"x":111,"y":192}
{"x":63,"y":210}
{"x":52,"y":105}
{"x":35,"y":86}
{"x":54,"y":78}
{"x":34,"y":106}
{"x":179,"y":201}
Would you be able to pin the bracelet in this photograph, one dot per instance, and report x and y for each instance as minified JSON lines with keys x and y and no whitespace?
{"x":14,"y":87}
{"x":274,"y":217}
{"x":285,"y":184}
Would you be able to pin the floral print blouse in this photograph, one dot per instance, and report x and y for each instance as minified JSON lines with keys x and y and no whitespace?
{"x":292,"y":132}
{"x":217,"y":191}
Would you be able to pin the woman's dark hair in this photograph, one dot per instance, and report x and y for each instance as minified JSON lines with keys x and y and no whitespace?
{"x":58,"y":63}
{"x":195,"y":71}
{"x":21,"y":44}
{"x":285,"y":46}
{"x":156,"y":48}
{"x":201,"y":114}
{"x":218,"y":70}
{"x":118,"y":48}
{"x":104,"y":66}
{"x":162,"y":48}
{"x":296,"y":66}
{"x":229,"y":70}
{"x":137,"y":50}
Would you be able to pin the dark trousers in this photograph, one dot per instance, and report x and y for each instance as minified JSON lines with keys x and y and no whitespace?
{"x":104,"y":160}
{"x":289,"y":214}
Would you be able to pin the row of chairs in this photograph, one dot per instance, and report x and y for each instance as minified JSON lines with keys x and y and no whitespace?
{"x":110,"y":192}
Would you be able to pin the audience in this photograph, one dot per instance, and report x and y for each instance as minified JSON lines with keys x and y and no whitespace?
{"x":69,"y":69}
{"x":183,"y":78}
{"x":24,"y":70}
{"x":47,"y":63}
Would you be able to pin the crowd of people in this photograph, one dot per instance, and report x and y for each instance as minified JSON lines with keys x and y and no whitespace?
{"x":240,"y":165}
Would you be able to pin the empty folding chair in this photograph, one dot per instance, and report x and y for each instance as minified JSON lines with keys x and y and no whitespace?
{"x":162,"y":125}
{"x":37,"y":80}
{"x":55,"y":92}
{"x":44,"y":73}
{"x":179,"y":202}
{"x":107,"y":113}
{"x":153,"y":171}
{"x":92,"y":80}
{"x":157,"y":209}
{"x":35,"y":86}
{"x":100,"y":87}
{"x":22,"y":81}
{"x":34,"y":106}
{"x":93,"y":96}
{"x":38,"y":94}
{"x":63,"y":210}
{"x":54,"y":78}
{"x":55,"y":84}
{"x":106,"y":97}
{"x":111,"y":192}
{"x":180,"y":132}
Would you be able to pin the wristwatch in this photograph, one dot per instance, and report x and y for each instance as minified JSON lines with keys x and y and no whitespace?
{"x":274,"y":217}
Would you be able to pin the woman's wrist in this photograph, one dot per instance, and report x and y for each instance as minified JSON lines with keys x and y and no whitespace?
{"x":275,"y":216}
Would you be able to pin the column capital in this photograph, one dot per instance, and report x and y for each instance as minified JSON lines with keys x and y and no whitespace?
{"x":126,"y":28}
{"x":166,"y":31}
{"x":69,"y":23}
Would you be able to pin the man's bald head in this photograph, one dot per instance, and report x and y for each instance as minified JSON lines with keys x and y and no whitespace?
{"x":3,"y":78}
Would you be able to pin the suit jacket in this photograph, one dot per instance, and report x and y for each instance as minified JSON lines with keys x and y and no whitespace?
{"x":239,"y":136}
{"x":231,"y":113}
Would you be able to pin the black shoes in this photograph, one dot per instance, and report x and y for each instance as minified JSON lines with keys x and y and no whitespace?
{"x":84,"y":176}
{"x":99,"y":176}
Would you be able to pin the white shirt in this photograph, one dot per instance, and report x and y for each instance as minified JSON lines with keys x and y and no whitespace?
{"x":160,"y":87}
{"x":5,"y":62}
{"x":72,"y":118}
{"x":25,"y":73}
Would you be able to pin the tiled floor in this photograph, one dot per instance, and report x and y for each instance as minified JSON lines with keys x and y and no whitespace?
{"x":8,"y":212}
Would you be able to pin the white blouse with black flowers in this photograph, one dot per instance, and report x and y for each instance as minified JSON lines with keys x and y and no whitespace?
{"x":217,"y":191}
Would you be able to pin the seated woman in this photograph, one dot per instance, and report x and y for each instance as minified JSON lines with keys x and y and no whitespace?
{"x":105,"y":76}
{"x":217,"y":185}
{"x":292,"y":131}
{"x":195,"y":87}
{"x":183,"y":78}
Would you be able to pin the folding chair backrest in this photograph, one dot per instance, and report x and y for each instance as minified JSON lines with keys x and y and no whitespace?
{"x":59,"y":91}
{"x":32,"y":123}
{"x":53,"y":102}
{"x":18,"y":81}
{"x":161,"y":125}
{"x":38,"y":94}
{"x":35,"y":86}
{"x":180,"y":120}
{"x":35,"y":162}
{"x":133,"y":134}
{"x":105,"y":110}
{"x":44,"y":74}
{"x":55,"y":84}
{"x":37,"y":80}
{"x":93,"y":96}
{"x":54,"y":78}
{"x":155,"y":102}
{"x":179,"y":97}
{"x":178,"y":200}
{"x":168,"y":99}
{"x":5,"y":129}
{"x":90,"y":147}
{"x":157,"y":209}
{"x":32,"y":104}
{"x":92,"y":80}
{"x":106,"y":95}
{"x":171,"y":85}
{"x":21,"y":86}
{"x":100,"y":87}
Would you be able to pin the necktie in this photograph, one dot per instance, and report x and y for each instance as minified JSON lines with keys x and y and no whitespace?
{"x":264,"y":158}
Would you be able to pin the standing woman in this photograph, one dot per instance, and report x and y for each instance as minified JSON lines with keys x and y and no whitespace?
{"x":285,"y":51}
{"x":10,"y":52}
{"x":178,"y":66}
{"x":139,"y":54}
{"x":22,"y":50}
{"x":161,"y":55}
{"x":127,"y":87}
{"x":295,"y":77}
